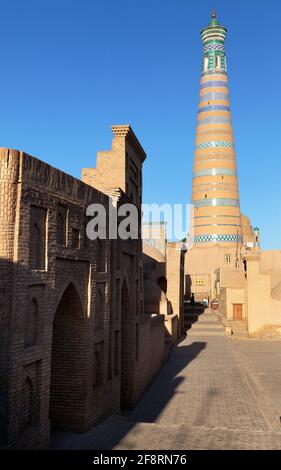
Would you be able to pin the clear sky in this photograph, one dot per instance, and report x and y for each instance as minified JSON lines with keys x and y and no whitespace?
{"x":71,"y":68}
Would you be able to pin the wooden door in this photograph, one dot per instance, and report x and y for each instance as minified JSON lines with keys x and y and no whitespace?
{"x":237,"y":312}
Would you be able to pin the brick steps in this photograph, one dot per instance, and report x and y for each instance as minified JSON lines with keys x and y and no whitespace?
{"x":205,"y":333}
{"x":208,"y":323}
{"x":235,"y":328}
{"x":207,"y":326}
{"x":202,"y":319}
{"x":200,"y":326}
{"x":207,"y":319}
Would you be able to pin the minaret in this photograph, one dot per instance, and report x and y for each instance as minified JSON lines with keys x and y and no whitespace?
{"x":215,"y":192}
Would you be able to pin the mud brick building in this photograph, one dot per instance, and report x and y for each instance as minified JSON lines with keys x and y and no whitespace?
{"x":75,"y":345}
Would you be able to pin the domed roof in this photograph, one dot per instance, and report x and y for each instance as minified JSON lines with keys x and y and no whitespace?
{"x":245,"y":220}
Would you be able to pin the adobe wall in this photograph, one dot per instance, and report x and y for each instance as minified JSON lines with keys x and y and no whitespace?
{"x":270,"y":261}
{"x":200,"y":265}
{"x":172,"y":327}
{"x":233,"y":278}
{"x":234,"y":296}
{"x":264,"y":311}
{"x":175,"y":265}
{"x":164,"y":285}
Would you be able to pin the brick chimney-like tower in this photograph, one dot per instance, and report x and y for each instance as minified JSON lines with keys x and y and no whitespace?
{"x":215,"y":192}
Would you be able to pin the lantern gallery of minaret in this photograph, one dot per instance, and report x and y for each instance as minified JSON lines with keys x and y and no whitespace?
{"x":220,"y":233}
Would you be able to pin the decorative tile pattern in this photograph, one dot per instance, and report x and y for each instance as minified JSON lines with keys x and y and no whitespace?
{"x":214,"y":96}
{"x":217,"y":238}
{"x":216,"y":202}
{"x":214,"y":120}
{"x":214,"y":172}
{"x":214,"y":143}
{"x":213,"y":47}
{"x":214,"y":83}
{"x":214,"y":108}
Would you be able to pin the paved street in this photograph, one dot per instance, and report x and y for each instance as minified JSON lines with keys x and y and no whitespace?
{"x":213,"y":393}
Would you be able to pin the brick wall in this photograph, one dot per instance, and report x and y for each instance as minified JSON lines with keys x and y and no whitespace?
{"x":72,"y":332}
{"x":9,"y":172}
{"x":151,"y":351}
{"x":53,"y":339}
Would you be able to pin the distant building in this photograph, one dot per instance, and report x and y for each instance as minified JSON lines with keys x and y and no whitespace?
{"x":250,"y":299}
{"x":163,"y":277}
{"x":154,"y":234}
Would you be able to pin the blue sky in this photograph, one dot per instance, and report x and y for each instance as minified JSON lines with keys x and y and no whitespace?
{"x":71,"y":68}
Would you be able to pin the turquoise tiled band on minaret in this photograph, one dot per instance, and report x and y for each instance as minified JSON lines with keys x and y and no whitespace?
{"x":214,"y":120}
{"x":213,"y":144}
{"x":217,"y":238}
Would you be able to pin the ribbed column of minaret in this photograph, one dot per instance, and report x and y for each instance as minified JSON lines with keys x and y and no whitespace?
{"x":215,"y":192}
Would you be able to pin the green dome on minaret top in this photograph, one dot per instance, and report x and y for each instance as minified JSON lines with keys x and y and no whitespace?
{"x":214,"y":21}
{"x":214,"y":31}
{"x":213,"y":38}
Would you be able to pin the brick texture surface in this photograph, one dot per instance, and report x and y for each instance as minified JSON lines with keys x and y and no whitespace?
{"x":74,"y":343}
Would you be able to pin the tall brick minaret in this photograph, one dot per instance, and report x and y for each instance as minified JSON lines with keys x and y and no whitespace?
{"x":215,"y":192}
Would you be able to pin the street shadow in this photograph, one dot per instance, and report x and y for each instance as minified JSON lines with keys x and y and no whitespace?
{"x":192,"y":311}
{"x":108,"y":434}
{"x":166,"y":383}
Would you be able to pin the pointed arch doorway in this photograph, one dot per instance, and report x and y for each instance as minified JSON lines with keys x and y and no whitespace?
{"x":67,"y":363}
